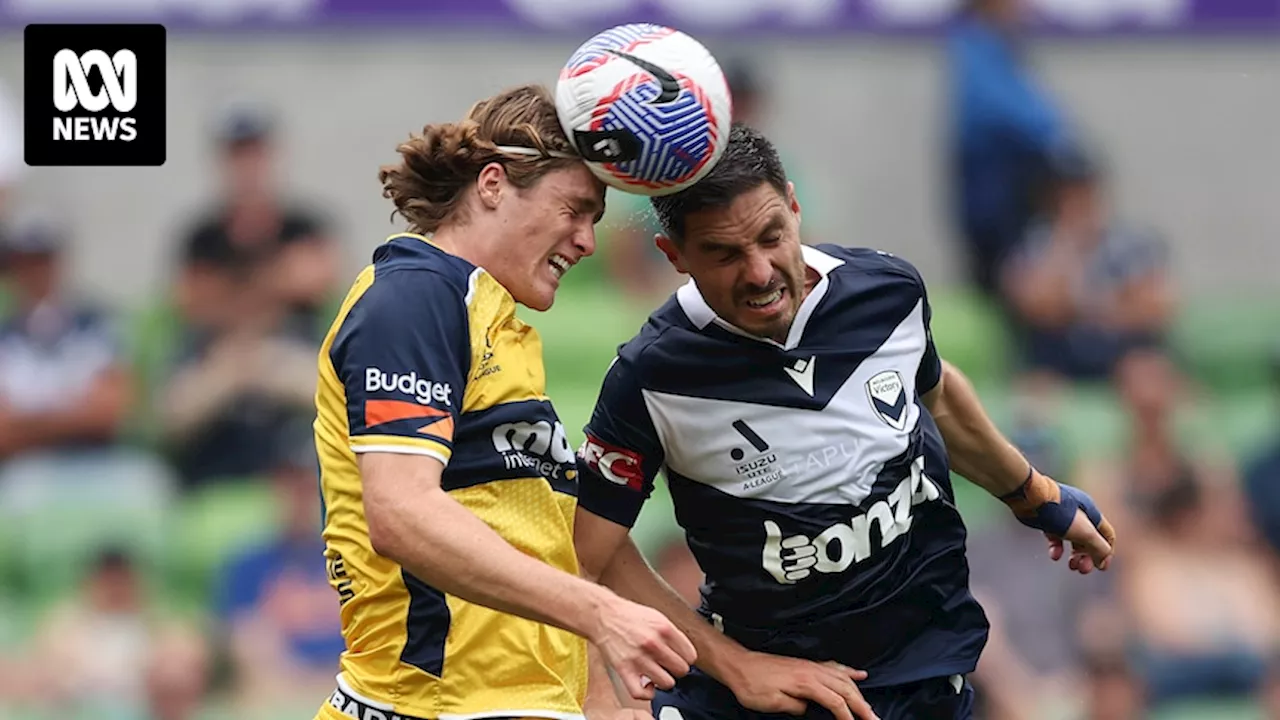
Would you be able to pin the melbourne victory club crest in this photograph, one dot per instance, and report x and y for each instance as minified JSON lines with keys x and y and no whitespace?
{"x":888,"y":397}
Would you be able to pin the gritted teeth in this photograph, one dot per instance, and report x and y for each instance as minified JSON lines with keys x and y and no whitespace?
{"x":765,"y":300}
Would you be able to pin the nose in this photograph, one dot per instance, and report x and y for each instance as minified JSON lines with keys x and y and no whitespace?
{"x":757,"y":270}
{"x":585,"y":240}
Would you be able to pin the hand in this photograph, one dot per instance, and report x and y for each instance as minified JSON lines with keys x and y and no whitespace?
{"x":775,"y":684}
{"x":1090,"y":547}
{"x":1064,"y":513}
{"x":642,"y":646}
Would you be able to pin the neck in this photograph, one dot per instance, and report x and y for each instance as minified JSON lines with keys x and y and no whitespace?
{"x":464,"y":242}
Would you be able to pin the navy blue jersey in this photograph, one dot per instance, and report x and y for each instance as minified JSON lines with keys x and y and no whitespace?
{"x":811,"y":482}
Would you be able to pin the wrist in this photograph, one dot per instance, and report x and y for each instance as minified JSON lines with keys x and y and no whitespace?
{"x":589,"y":616}
{"x":722,"y":658}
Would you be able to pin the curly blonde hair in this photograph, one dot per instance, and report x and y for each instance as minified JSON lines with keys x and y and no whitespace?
{"x":439,"y":163}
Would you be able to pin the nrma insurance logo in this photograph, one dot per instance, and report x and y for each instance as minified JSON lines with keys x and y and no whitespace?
{"x":95,"y":95}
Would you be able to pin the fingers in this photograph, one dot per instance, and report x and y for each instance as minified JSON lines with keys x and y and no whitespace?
{"x":1109,"y":535}
{"x":846,"y":671}
{"x":833,"y":701}
{"x":1090,"y":546}
{"x":852,"y":699}
{"x":637,"y":685}
{"x":682,"y":645}
{"x":1055,"y":547}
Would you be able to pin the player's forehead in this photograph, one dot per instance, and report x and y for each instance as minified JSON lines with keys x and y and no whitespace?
{"x":575,"y":186}
{"x":745,"y":219}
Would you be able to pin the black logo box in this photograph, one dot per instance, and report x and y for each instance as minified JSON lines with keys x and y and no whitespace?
{"x":41,"y":42}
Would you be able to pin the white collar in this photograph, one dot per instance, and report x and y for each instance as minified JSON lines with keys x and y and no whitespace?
{"x":700,"y":313}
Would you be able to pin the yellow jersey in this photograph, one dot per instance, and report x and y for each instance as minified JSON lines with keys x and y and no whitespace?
{"x":427,"y":357}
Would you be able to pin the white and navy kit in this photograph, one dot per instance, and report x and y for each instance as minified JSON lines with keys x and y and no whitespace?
{"x":811,"y":481}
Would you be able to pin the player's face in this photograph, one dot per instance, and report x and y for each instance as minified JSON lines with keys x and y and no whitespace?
{"x":548,"y":228}
{"x":746,"y":259}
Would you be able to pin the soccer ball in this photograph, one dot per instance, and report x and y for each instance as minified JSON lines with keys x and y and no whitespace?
{"x":647,"y":107}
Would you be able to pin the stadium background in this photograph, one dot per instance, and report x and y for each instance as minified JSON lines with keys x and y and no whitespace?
{"x":1185,"y":107}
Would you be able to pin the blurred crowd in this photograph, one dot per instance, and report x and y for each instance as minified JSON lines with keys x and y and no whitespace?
{"x":204,"y":402}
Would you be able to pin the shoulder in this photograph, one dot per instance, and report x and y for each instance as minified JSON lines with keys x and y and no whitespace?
{"x":407,"y":267}
{"x":410,"y":294}
{"x":661,"y":330}
{"x":869,"y":264}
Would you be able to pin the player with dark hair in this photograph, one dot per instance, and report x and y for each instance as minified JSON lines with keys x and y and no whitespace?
{"x":807,"y":428}
{"x":448,"y":483}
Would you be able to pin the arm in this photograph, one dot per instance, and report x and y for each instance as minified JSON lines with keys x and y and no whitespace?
{"x":96,"y":415}
{"x":414,"y":522}
{"x":979,"y":452}
{"x":984,"y":456}
{"x":977,"y":449}
{"x":609,"y":556}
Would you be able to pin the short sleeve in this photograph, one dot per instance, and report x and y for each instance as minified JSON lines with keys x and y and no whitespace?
{"x":402,"y":356}
{"x":621,"y":455}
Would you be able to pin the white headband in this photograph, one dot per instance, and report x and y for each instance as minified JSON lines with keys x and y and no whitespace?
{"x":534,"y":152}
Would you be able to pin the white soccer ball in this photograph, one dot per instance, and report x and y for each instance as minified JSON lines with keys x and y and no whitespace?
{"x":647,"y":106}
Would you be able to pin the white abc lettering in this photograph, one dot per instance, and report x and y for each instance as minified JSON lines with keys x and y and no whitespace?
{"x":539,"y":438}
{"x":71,"y":80}
{"x":422,"y":390}
{"x":834,"y":550}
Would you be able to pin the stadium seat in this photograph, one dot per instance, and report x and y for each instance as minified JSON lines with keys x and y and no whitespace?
{"x":1227,"y":341}
{"x":969,"y":332}
{"x":59,"y":511}
{"x":211,"y":526}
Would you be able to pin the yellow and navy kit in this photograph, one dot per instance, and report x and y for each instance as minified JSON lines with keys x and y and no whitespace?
{"x":427,"y":357}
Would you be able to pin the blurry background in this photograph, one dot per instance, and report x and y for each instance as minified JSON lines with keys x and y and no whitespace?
{"x":1092,"y":190}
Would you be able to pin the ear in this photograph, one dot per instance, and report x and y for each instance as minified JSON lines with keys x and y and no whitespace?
{"x":668,"y":248}
{"x":792,"y":201}
{"x":490,"y":184}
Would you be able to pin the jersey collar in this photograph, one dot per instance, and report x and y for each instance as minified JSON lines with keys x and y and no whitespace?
{"x":701,"y":315}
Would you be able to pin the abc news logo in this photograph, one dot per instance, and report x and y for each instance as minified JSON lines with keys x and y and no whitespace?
{"x":71,"y":91}
{"x":95,"y":95}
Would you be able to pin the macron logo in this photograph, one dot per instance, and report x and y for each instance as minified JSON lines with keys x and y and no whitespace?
{"x":802,"y":373}
{"x":423,"y":390}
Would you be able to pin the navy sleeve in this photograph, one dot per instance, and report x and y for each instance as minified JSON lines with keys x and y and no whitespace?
{"x":402,"y":356}
{"x":622,"y":453}
{"x":930,"y":372}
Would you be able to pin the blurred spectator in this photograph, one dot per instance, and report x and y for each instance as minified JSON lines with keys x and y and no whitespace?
{"x":1003,"y":128}
{"x":253,"y":228}
{"x":1262,"y":481}
{"x":95,"y":651}
{"x":277,"y":606}
{"x":244,"y":373}
{"x":1204,"y":605}
{"x":62,"y":383}
{"x":1083,"y":290}
{"x":178,"y":677}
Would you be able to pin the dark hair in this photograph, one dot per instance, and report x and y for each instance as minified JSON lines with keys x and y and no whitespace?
{"x":436,"y":165}
{"x":749,"y":160}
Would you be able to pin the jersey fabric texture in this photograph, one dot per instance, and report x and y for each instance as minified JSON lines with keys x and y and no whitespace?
{"x":811,"y":482}
{"x":427,"y":357}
